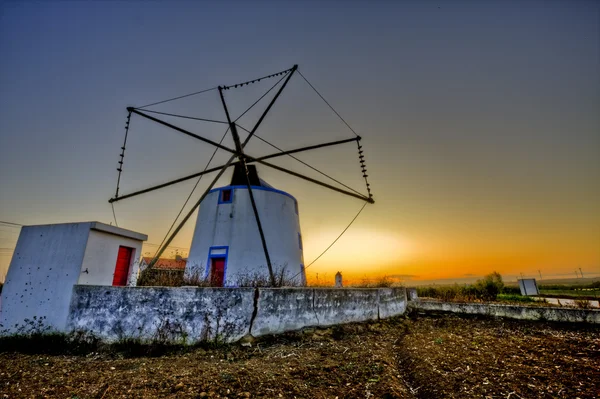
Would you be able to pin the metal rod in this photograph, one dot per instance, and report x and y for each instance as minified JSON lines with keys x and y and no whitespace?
{"x":311,"y":147}
{"x":181,"y":179}
{"x":131,"y":109}
{"x":240,"y":151}
{"x":216,"y":168}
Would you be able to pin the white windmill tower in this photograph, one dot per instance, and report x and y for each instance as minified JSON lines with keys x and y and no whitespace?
{"x":226,"y":246}
{"x":248,"y":227}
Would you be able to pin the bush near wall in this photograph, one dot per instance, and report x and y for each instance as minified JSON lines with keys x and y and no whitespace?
{"x":486,"y":289}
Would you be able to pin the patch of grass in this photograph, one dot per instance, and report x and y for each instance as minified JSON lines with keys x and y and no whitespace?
{"x":515,"y":298}
{"x":571,"y":293}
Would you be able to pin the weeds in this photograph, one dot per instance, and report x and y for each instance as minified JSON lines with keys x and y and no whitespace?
{"x":259,"y":280}
{"x":514,"y":298}
{"x":486,"y":289}
{"x":383,"y":282}
{"x":170,"y":278}
{"x":161,"y":278}
{"x":583,"y":304}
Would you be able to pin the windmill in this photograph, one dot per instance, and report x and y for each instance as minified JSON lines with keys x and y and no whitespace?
{"x":244,"y":173}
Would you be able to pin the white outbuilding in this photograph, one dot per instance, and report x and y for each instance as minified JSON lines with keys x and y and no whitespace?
{"x":226,"y":246}
{"x":50,"y":259}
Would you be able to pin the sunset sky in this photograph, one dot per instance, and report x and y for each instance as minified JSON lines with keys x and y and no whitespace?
{"x":480,"y":124}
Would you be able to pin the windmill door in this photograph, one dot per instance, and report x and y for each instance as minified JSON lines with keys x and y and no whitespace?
{"x":217,"y":272}
{"x":122,"y":266}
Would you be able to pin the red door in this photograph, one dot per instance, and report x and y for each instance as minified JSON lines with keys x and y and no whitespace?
{"x":217,"y":272}
{"x":122,"y":267}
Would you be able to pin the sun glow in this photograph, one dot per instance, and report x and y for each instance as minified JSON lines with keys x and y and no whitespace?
{"x":358,"y":251}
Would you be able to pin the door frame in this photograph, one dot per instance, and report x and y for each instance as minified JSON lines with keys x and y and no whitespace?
{"x":220,"y":254}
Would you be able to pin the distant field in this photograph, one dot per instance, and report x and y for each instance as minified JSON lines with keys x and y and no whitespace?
{"x":571,"y":293}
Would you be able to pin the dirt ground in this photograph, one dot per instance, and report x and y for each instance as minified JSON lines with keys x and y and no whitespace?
{"x":418,"y":357}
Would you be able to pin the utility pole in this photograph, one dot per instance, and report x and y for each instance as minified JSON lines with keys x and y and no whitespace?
{"x":540,"y":272}
{"x":576,"y":275}
{"x":581,"y":272}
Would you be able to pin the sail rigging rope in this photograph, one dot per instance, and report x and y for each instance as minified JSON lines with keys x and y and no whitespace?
{"x":114,"y":215}
{"x":334,"y":241}
{"x":185,"y":116}
{"x":326,"y":102}
{"x":361,"y":157}
{"x":177,"y":98}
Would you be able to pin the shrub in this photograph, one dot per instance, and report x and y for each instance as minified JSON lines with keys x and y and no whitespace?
{"x":486,"y":289}
{"x":512,"y":290}
{"x":170,"y":278}
{"x":490,"y":286}
{"x":161,"y":278}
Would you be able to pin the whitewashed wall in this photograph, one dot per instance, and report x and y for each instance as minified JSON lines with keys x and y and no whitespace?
{"x":101,"y":256}
{"x":42,"y":272}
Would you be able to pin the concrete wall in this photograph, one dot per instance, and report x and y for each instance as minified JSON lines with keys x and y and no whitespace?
{"x":45,"y":266}
{"x":100,"y":258}
{"x":181,"y":315}
{"x":511,"y":311}
{"x":198,"y":314}
{"x":288,"y":309}
{"x":234,"y":225}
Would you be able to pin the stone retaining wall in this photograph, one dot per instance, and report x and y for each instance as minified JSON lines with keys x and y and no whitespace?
{"x":191,"y":314}
{"x":511,"y":311}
